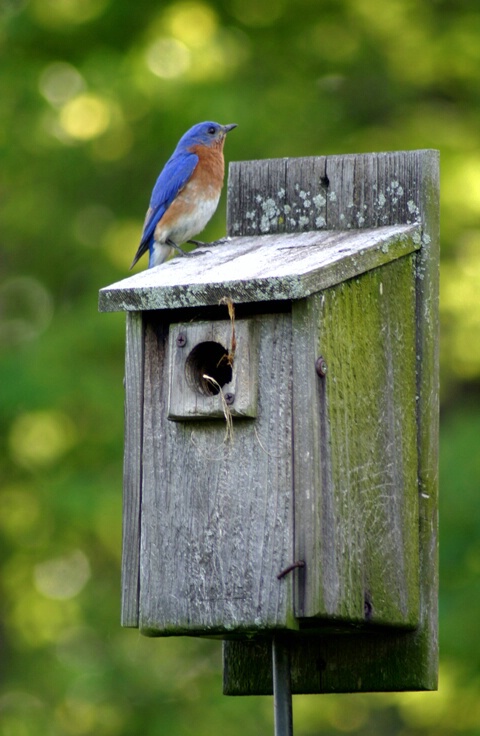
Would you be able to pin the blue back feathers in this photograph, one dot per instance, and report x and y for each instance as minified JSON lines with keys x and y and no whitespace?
{"x":175,"y":174}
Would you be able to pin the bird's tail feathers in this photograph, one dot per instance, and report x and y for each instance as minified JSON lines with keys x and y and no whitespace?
{"x":142,"y":248}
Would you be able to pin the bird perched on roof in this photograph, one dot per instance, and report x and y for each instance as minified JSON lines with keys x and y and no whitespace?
{"x":186,"y":193}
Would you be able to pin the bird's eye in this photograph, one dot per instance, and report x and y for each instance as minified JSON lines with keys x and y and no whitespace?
{"x":212,"y":130}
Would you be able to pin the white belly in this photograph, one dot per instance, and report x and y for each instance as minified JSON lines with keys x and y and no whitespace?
{"x":194,"y":221}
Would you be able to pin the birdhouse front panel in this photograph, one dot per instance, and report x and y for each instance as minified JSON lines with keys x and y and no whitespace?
{"x":283,"y":441}
{"x":217,"y":504}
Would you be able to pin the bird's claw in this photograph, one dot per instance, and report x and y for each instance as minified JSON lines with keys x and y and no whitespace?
{"x":192,"y":253}
{"x":198,"y":252}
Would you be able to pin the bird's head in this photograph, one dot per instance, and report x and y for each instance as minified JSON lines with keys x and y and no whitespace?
{"x":205,"y":134}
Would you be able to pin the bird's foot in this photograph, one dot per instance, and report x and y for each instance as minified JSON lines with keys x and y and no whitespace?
{"x":177,"y":247}
{"x":199,"y":243}
{"x":184,"y":253}
{"x":197,"y":253}
{"x":221,"y":241}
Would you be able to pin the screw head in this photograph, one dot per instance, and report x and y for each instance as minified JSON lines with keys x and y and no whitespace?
{"x":229,"y":398}
{"x":321,"y":366}
{"x":181,"y":340}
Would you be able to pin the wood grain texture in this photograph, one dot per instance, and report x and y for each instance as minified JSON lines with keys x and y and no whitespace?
{"x":261,"y":268}
{"x":427,"y":370}
{"x":329,"y":663}
{"x":132,"y":468}
{"x":365,"y":190}
{"x":239,"y":340}
{"x":217,"y":513}
{"x":356,"y":497}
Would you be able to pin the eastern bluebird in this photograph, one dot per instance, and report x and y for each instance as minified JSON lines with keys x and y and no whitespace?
{"x":186,"y":193}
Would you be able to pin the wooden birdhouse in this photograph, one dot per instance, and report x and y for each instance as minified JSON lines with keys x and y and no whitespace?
{"x":282,"y":427}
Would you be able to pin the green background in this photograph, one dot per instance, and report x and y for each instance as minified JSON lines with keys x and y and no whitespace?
{"x":94,"y":95}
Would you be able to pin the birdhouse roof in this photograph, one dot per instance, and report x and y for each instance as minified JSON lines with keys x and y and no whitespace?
{"x":261,"y":268}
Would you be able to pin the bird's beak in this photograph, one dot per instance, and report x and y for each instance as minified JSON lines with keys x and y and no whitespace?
{"x":228,"y":128}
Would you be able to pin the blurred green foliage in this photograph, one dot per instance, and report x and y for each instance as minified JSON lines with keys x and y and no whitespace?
{"x":94,"y":96}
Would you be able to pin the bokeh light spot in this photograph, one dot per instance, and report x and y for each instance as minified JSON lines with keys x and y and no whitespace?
{"x":167,"y":58}
{"x":85,"y":117}
{"x":195,"y":24}
{"x":26,"y":310}
{"x":189,"y":40}
{"x":39,"y":438}
{"x":60,"y":82}
{"x":38,"y":620}
{"x":63,"y":577}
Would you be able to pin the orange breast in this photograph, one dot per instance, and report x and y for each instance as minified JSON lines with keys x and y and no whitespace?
{"x":195,"y":204}
{"x":210,"y":168}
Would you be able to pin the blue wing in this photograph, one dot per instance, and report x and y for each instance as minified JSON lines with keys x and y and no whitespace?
{"x":173,"y":177}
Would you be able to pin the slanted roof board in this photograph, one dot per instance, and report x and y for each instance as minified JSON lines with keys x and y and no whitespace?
{"x":261,"y":268}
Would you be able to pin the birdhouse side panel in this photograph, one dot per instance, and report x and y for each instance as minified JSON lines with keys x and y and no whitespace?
{"x":356,"y":490}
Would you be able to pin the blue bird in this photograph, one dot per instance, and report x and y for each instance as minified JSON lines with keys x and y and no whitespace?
{"x":186,"y":193}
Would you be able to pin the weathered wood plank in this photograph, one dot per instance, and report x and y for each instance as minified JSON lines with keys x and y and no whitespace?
{"x":306,"y":198}
{"x":132,"y":468}
{"x":427,"y":287}
{"x":330,"y":663}
{"x":217,"y":513}
{"x":367,"y":190}
{"x":356,"y":497}
{"x":249,"y":213}
{"x":261,"y":268}
{"x":187,"y":398}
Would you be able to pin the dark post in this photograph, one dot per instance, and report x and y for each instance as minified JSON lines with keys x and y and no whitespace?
{"x":282,"y":690}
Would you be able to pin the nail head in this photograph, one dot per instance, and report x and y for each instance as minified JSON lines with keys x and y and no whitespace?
{"x":321,"y":366}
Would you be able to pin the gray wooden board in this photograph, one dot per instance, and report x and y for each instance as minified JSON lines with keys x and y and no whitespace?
{"x":185,"y":400}
{"x":427,"y":322}
{"x":216,"y":513}
{"x":364,"y":190}
{"x":132,"y":467}
{"x":356,"y":494}
{"x":260,"y":268}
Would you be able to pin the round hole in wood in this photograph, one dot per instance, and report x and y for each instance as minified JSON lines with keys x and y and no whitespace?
{"x":208,"y":359}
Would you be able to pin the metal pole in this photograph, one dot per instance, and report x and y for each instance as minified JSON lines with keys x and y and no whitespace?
{"x":282,"y":690}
